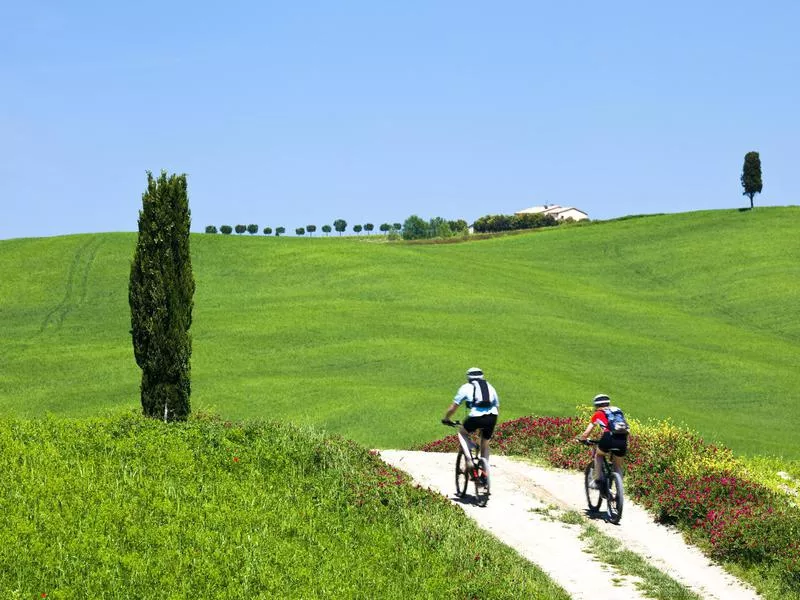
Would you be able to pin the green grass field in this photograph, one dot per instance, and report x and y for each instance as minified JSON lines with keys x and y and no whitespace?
{"x":691,"y":316}
{"x":128,"y":508}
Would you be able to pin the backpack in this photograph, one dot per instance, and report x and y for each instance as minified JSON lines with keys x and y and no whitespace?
{"x":617,"y":424}
{"x":485,"y":400}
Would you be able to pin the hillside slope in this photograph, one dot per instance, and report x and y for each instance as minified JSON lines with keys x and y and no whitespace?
{"x":691,"y":316}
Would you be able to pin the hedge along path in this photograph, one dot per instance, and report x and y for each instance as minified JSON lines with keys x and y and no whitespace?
{"x":518,"y":488}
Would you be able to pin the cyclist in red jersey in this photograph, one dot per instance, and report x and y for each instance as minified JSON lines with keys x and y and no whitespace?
{"x":607,"y":440}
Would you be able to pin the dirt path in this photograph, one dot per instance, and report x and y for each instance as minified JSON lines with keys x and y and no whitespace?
{"x":519,"y":488}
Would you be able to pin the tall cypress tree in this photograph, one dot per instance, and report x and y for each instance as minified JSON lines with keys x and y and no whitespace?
{"x":161,"y":298}
{"x":751,"y":176}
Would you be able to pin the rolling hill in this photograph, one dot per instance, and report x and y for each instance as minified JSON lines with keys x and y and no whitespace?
{"x":690,"y":316}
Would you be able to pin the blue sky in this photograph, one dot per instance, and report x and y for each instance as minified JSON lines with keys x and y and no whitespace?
{"x":296,"y":113}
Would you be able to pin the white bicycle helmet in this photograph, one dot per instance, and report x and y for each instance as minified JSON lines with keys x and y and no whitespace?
{"x":602,"y":400}
{"x":474,"y":373}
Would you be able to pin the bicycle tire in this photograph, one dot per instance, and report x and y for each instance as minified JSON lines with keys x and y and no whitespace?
{"x":482,"y":487}
{"x":462,"y":474}
{"x":593,"y":495}
{"x":615,"y":499}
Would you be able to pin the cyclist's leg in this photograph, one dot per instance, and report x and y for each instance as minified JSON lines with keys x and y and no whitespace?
{"x":621,"y":446}
{"x":465,"y":434}
{"x":604,"y":446}
{"x":465,"y":438}
{"x":486,"y":435}
{"x":599,"y":457}
{"x":485,"y":451}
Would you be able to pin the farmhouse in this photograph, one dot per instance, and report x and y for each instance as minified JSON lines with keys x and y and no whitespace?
{"x":562,"y":213}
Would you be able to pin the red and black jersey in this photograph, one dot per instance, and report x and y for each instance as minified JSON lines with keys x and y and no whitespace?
{"x":600,"y":418}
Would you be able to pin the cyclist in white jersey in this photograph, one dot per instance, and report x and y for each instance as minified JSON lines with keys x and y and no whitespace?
{"x":483,"y":406}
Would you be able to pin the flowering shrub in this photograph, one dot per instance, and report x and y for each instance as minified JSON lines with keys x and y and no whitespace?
{"x":701,"y":488}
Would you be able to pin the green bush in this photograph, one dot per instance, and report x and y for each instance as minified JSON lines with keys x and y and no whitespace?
{"x":498,"y":223}
{"x":211,"y":229}
{"x":226,"y":229}
{"x":415,"y":228}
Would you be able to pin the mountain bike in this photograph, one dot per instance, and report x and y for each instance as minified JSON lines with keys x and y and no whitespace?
{"x":471,"y":466}
{"x":610,"y":488}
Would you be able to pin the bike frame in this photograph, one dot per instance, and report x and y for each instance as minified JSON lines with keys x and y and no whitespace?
{"x":613,"y":480}
{"x":477,"y":467}
{"x":464,"y":441}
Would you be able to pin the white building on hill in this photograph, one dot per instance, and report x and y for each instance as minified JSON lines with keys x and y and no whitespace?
{"x":561,"y":213}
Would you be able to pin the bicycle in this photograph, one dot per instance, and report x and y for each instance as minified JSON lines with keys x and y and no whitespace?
{"x":611,"y":481}
{"x":475,"y":469}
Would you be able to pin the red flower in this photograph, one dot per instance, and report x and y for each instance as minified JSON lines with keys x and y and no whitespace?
{"x":236,"y":459}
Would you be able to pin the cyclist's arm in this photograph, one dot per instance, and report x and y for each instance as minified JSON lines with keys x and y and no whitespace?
{"x":587,"y":431}
{"x":459,"y":398}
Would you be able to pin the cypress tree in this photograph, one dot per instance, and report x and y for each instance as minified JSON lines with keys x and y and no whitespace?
{"x":160,"y":296}
{"x":751,"y":176}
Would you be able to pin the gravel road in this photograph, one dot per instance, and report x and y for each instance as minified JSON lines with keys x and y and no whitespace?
{"x":517,"y":514}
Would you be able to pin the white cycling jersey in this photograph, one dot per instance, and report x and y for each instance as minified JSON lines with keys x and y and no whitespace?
{"x":465,"y":394}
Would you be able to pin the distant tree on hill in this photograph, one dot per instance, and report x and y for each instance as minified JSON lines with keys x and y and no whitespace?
{"x":267,"y":230}
{"x":300,"y":231}
{"x":279,"y":231}
{"x":340,"y":225}
{"x":311,"y":229}
{"x":357,"y":228}
{"x":226,"y":229}
{"x":368,"y":227}
{"x":458,"y":226}
{"x":211,"y":229}
{"x":326,"y":229}
{"x":439,"y":228}
{"x":385,"y":227}
{"x":751,"y":176}
{"x":240,"y":229}
{"x":160,"y":294}
{"x":252,"y":228}
{"x":397,"y":226}
{"x":415,"y":228}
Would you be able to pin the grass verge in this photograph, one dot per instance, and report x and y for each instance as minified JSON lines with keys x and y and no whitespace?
{"x":126,"y":507}
{"x":652,"y":582}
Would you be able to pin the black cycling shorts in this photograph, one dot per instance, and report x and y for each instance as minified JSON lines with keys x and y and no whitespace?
{"x":485,"y":423}
{"x":609,"y":441}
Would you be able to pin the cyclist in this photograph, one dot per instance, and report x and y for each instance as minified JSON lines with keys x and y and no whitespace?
{"x":607,"y":440}
{"x":483,"y":406}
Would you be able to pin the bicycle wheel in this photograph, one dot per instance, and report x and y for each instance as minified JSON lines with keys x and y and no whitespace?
{"x":482,"y":484}
{"x":615,"y":498}
{"x":462,"y":474}
{"x":593,"y":496}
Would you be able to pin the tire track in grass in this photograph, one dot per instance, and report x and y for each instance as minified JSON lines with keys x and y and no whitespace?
{"x":76,"y":287}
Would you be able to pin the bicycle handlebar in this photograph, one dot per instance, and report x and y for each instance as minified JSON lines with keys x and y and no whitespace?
{"x":450,"y":423}
{"x":587,"y":442}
